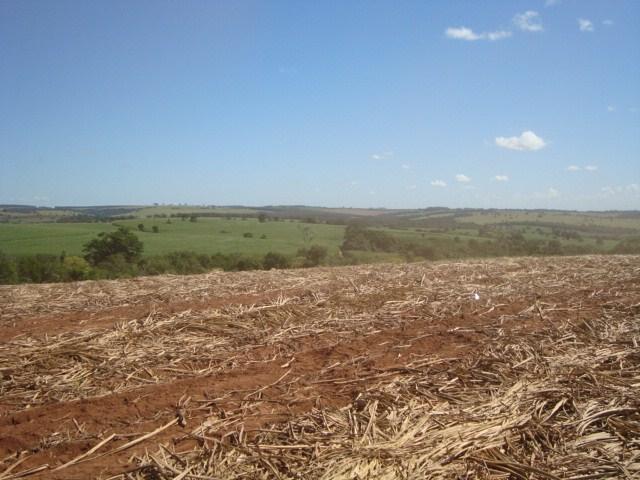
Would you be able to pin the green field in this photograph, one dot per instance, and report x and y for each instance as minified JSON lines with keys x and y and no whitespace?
{"x":207,"y":235}
{"x":450,"y":232}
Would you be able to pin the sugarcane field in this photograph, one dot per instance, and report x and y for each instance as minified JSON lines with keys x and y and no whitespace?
{"x":524,"y":368}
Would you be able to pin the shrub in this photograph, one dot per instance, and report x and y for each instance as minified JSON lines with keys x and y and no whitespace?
{"x":360,"y":238}
{"x":314,"y":255}
{"x":141,"y":227}
{"x":40,"y":268}
{"x":8,"y":273}
{"x":76,"y":268}
{"x":628,"y":245}
{"x":247,"y":235}
{"x":155,"y":229}
{"x":274,"y":260}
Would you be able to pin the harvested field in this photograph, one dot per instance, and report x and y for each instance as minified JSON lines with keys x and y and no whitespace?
{"x":524,"y":368}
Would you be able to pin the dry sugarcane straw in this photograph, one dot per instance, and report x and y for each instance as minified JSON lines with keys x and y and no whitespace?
{"x":551,"y":391}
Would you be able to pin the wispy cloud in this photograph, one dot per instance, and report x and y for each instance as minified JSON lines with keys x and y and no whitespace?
{"x":438,"y":183}
{"x":527,"y":141}
{"x":551,"y":3}
{"x":607,"y":23}
{"x":550,"y":193}
{"x":528,"y":21}
{"x":406,"y":166}
{"x":611,"y":108}
{"x":586,"y":168}
{"x":630,"y":189}
{"x":382,"y":156}
{"x":464,"y":33}
{"x":462,"y":178}
{"x":412,"y":187}
{"x":501,"y":178}
{"x":585,"y":25}
{"x":498,"y":35}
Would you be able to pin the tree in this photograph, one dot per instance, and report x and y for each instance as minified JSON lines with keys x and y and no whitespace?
{"x":141,"y":227}
{"x":193,"y":218}
{"x":155,"y":229}
{"x":122,"y":242}
{"x":262,"y":217}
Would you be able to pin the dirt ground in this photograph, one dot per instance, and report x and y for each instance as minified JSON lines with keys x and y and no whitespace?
{"x":306,"y":373}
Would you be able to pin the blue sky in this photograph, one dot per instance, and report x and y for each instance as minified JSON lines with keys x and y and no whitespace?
{"x":507,"y":104}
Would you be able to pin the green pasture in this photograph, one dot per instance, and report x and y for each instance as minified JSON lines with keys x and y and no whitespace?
{"x":206,"y":235}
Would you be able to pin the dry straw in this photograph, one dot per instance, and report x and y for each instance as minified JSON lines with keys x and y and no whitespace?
{"x":552,"y":394}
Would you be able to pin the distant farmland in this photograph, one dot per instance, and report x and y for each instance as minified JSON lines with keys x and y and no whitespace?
{"x":206,"y":235}
{"x":245,"y":235}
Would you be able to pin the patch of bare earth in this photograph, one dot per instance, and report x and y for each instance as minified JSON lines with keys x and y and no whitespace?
{"x":387,"y":371}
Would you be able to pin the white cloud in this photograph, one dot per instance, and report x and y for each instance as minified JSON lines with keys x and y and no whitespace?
{"x":591,"y":168}
{"x":528,"y":21}
{"x":438,"y":183}
{"x":406,"y":166}
{"x":585,"y":25}
{"x":611,"y":108}
{"x":502,"y":178}
{"x":464,"y":33}
{"x":462,"y":178}
{"x":607,"y":22}
{"x":573,"y":168}
{"x":526,"y":141}
{"x":382,"y":156}
{"x":551,"y":3}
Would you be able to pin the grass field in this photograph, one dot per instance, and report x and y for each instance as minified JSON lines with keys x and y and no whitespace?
{"x":207,"y":235}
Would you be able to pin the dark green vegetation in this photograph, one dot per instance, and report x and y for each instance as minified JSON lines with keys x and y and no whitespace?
{"x":72,"y":243}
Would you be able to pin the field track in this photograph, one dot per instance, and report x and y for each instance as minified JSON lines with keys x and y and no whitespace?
{"x":524,"y":368}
